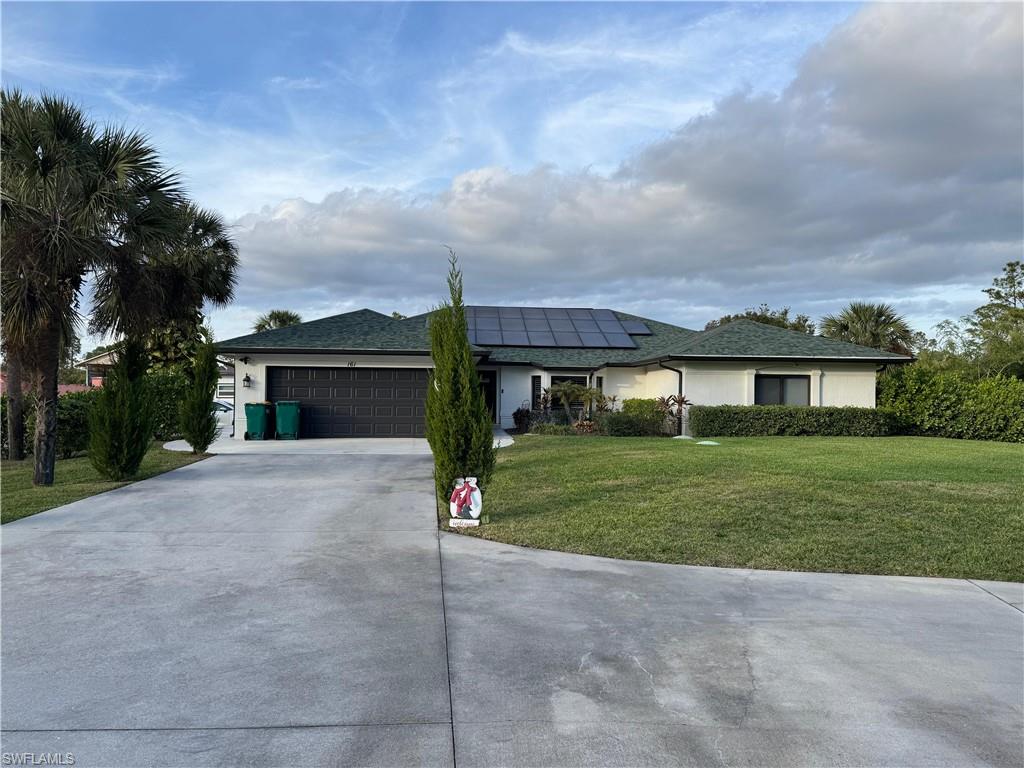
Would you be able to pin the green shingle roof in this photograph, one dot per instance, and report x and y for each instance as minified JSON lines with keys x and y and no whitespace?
{"x":363,"y":329}
{"x":369,"y":331}
{"x":747,"y":338}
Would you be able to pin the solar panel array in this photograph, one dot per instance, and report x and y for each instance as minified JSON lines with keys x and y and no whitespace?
{"x":551,"y":327}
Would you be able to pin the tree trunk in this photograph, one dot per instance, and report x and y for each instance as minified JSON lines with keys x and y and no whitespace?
{"x":48,"y":363}
{"x":15,"y":408}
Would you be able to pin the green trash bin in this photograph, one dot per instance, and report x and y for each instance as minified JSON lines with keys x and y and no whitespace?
{"x":287,"y":415}
{"x":259,"y":421}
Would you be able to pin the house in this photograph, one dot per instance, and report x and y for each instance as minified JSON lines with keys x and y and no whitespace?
{"x":96,"y":368}
{"x":363,"y":373}
{"x":225,"y":381}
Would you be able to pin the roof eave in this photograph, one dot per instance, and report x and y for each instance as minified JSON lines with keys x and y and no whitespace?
{"x":901,"y":359}
{"x":237,"y":351}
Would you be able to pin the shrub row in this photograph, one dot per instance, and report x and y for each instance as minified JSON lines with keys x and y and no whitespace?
{"x":630,"y":424}
{"x":757,"y":420}
{"x":922,"y":402}
{"x":72,"y":423}
{"x":166,"y":390}
{"x":639,"y":417}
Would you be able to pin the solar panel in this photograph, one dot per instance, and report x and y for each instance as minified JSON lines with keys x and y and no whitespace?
{"x":488,"y":337}
{"x":550,"y":327}
{"x":636,"y":328}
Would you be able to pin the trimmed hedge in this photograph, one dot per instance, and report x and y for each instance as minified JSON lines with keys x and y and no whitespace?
{"x":952,"y":405}
{"x":630,"y":424}
{"x":167,"y":389}
{"x":759,"y":420}
{"x":72,"y":423}
{"x":552,"y":429}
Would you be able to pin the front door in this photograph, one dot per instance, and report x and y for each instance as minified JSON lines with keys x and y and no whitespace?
{"x":489,"y":384}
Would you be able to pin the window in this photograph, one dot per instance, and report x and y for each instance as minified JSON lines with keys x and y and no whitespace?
{"x":575,"y":405}
{"x":782,"y":390}
{"x":535,"y":390}
{"x":226,"y":389}
{"x":599,"y":383}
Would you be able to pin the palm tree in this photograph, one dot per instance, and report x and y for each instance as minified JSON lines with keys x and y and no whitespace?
{"x":870,"y":325}
{"x":76,"y":202}
{"x":276,"y":318}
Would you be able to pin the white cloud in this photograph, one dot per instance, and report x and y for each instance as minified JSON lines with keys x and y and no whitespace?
{"x":882,"y":171}
{"x":296,"y":83}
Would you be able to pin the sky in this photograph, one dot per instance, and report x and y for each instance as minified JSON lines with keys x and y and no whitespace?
{"x":676,"y":161}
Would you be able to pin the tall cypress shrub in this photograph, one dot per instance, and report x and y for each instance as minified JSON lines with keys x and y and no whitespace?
{"x":196,"y":418}
{"x":121,"y":420}
{"x":459,"y":427}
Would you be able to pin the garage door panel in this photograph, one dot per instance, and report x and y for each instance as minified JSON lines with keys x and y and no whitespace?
{"x":354,"y":402}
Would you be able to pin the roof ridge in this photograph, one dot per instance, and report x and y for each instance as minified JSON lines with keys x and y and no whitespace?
{"x":707,"y":333}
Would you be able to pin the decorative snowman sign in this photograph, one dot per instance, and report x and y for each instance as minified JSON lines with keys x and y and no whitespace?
{"x":465,"y":504}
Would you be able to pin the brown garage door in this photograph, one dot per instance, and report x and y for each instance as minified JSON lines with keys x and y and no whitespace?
{"x":354,"y":402}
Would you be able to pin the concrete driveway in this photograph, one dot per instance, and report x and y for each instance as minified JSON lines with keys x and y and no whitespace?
{"x":302,"y":610}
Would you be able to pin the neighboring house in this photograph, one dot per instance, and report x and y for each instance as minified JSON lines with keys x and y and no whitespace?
{"x":225,"y":381}
{"x":96,"y":368}
{"x":365,"y":374}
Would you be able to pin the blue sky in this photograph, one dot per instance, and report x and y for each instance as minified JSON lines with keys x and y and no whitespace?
{"x":350,"y":140}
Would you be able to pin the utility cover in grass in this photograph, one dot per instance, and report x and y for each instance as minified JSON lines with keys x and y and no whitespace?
{"x":708,"y":442}
{"x":682,"y":437}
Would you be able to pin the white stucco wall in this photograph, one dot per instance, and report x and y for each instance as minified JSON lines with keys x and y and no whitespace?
{"x":704,"y":383}
{"x":624,"y":383}
{"x":848,"y":386}
{"x":513,"y":389}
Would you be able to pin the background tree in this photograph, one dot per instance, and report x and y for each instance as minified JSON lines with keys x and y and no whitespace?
{"x":176,"y":343}
{"x":870,"y":325}
{"x":996,"y":329}
{"x":68,"y":373}
{"x":121,"y":420}
{"x":79,"y":201}
{"x":197,"y":419}
{"x":199,"y":268}
{"x":459,"y":427}
{"x":276,"y":318}
{"x":768,"y":316}
{"x":398,"y":316}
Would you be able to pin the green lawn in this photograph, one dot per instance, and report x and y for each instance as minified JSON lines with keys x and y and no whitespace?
{"x":75,"y":479}
{"x":900,"y":505}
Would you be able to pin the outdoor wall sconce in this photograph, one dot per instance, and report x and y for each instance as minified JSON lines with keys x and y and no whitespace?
{"x":247,"y":381}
